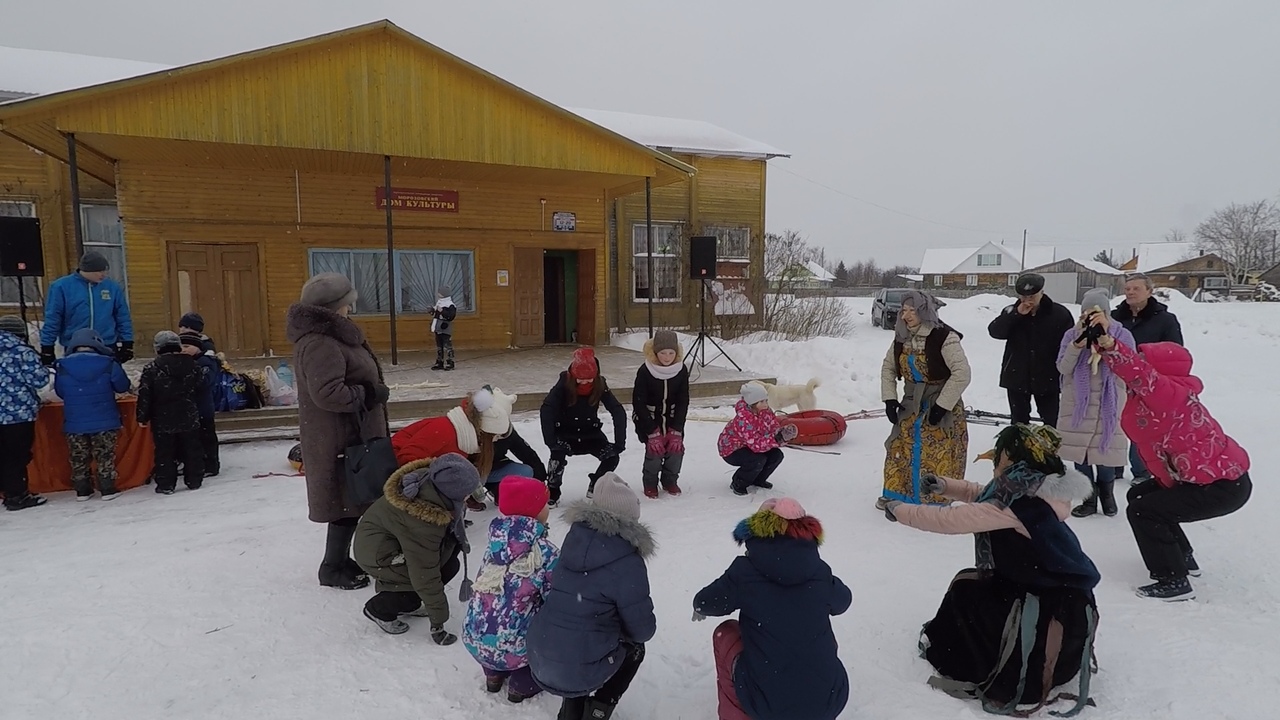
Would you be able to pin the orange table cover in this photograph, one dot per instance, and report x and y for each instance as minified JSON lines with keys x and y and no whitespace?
{"x":50,"y":468}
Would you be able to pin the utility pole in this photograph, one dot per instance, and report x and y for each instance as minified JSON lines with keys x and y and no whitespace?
{"x":1024,"y":250}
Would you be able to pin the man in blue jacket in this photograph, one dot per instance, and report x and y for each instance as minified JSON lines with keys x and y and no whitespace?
{"x":87,"y":298}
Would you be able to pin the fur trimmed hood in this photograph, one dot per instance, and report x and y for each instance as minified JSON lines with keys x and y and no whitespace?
{"x":1071,"y":486}
{"x":302,"y":320}
{"x":635,"y":533}
{"x":427,"y":506}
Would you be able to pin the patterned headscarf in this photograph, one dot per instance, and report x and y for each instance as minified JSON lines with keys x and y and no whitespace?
{"x":1033,"y":449}
{"x":926,"y":308}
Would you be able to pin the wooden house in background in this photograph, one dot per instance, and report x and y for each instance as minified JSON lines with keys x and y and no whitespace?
{"x":220,"y":187}
{"x":992,"y":268}
{"x":1068,"y":280}
{"x":1180,"y":266}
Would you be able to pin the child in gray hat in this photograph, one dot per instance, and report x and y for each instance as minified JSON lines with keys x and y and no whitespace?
{"x":444,"y":312}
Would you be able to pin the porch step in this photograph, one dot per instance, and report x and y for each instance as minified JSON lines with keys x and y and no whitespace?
{"x":281,"y":423}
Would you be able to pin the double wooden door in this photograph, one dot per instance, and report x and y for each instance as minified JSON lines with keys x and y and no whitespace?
{"x":530,"y":306}
{"x":223,"y":283}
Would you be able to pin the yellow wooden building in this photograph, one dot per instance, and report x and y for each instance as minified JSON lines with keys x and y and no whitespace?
{"x":219,"y":187}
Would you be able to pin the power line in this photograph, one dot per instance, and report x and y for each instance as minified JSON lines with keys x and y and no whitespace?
{"x":952,"y":226}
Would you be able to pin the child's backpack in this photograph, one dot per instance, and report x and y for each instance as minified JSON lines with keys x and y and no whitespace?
{"x":230,"y":392}
{"x":449,"y":313}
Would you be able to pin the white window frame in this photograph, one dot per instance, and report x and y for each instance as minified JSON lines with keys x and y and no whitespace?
{"x":671,"y":253}
{"x":1217,"y":283}
{"x":987,"y":256}
{"x":463,"y":309}
{"x":971,"y":280}
{"x":724,"y":234}
{"x":119,"y":274}
{"x":33,"y":286}
{"x":937,"y":281}
{"x":1013,"y":279}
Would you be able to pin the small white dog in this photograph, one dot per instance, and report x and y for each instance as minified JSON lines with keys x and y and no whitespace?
{"x":784,"y":396}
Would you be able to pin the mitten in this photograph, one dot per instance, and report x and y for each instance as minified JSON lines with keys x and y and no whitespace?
{"x":889,"y":508}
{"x":656,"y":444}
{"x":608,"y":452}
{"x":932,"y":484}
{"x":698,"y":617}
{"x":124,"y":351}
{"x":675,"y":442}
{"x":47,"y":355}
{"x":375,"y":395}
{"x":442,"y":636}
{"x":891,"y":408}
{"x":936,"y":414}
{"x":788,"y":433}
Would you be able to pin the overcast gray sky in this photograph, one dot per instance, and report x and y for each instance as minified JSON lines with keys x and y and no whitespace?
{"x":1094,"y":124}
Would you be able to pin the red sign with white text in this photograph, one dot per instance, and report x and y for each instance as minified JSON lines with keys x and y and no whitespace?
{"x":418,"y":200}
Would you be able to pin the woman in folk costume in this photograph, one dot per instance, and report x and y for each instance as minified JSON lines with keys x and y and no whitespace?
{"x":1022,"y":622}
{"x":1092,"y":399}
{"x":480,"y":428}
{"x":660,"y":403}
{"x":930,"y":435}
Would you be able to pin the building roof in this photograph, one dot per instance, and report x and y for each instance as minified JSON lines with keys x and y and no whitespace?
{"x":1153,"y":256}
{"x":26,"y":72}
{"x":693,"y":137}
{"x":819,"y":273}
{"x":943,"y":261}
{"x":1098,"y":267}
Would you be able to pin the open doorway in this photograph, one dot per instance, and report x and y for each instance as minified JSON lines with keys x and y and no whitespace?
{"x":560,"y":293}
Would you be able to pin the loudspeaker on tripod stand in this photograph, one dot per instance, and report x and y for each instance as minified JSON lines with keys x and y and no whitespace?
{"x":702,"y":257}
{"x":21,"y":253}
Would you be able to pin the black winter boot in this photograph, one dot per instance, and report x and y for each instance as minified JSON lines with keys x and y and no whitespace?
{"x":338,"y":570}
{"x":1088,"y":507}
{"x":572,"y":709}
{"x":1107,"y":494}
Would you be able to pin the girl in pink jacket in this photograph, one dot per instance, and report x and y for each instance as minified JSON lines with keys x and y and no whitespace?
{"x":752,"y":438}
{"x":1197,"y":471}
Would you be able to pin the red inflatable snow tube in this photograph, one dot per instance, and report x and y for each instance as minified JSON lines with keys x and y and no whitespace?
{"x":816,"y":427}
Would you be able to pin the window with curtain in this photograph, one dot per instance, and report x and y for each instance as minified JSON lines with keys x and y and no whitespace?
{"x":103,"y":232}
{"x":9,"y":286}
{"x":732,"y":243}
{"x":423,"y":273}
{"x":419,"y":274}
{"x":666,"y":262}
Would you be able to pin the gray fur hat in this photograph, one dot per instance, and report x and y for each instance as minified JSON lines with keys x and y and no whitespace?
{"x":167,"y":341}
{"x":615,"y":496}
{"x":328,"y":290}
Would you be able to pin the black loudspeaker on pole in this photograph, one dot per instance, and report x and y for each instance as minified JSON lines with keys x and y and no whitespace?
{"x":702,"y":257}
{"x":21,"y":254}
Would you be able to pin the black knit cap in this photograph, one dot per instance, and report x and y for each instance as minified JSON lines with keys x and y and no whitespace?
{"x":94,"y":261}
{"x":193,"y":321}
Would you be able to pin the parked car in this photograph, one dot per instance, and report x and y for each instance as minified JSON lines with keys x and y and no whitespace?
{"x":885,"y":306}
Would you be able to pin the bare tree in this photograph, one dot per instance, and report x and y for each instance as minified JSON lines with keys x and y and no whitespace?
{"x":1242,"y":234}
{"x":1176,"y":236}
{"x":785,"y":314}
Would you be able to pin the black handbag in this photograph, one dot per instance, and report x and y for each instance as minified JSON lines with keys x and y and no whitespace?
{"x":369,"y":464}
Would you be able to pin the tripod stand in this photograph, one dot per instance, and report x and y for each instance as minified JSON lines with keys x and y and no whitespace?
{"x":698,"y":351}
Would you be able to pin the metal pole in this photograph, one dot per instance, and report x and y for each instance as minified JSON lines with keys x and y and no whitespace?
{"x":391,"y":258}
{"x":1024,"y":251}
{"x":75,"y":195}
{"x":648,"y":241}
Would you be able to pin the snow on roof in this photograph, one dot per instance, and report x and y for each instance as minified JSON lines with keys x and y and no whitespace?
{"x":913,"y":278}
{"x":679,"y":136}
{"x":40,"y":72}
{"x":1153,"y":256}
{"x":940,"y":261}
{"x":819,"y":273}
{"x":1098,"y":267}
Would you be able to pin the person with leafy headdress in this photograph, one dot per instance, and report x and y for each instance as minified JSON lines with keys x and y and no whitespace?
{"x":1022,"y":621}
{"x":930,"y":435}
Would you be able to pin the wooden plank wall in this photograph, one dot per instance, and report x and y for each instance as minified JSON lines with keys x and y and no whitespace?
{"x":725,"y":192}
{"x":31,"y":176}
{"x":285,"y":215}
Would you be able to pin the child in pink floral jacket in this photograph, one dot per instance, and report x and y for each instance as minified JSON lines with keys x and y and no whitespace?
{"x":511,"y":586}
{"x":752,"y":438}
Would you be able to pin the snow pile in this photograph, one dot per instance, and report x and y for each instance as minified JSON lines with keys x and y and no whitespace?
{"x":205,"y":604}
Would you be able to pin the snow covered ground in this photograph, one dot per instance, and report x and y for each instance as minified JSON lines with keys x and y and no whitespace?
{"x":205,"y":604}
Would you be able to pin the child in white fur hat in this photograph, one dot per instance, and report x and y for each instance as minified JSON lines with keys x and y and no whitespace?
{"x":752,"y":439}
{"x":444,"y":313}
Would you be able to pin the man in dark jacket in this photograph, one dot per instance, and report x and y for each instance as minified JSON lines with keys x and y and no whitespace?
{"x":1032,"y":328}
{"x":571,"y":421}
{"x":1150,"y":322}
{"x":586,"y":642}
{"x":200,"y":348}
{"x":168,"y":394}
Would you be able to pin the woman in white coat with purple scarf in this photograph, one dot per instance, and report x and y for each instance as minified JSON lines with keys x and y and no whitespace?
{"x":1092,"y":399}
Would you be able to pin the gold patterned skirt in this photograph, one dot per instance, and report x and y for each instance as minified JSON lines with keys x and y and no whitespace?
{"x":917,"y":448}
